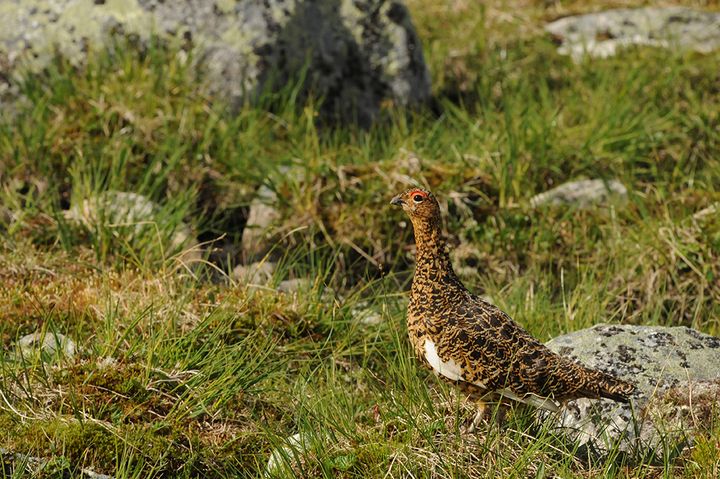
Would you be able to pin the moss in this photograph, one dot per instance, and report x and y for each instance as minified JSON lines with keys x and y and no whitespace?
{"x":125,"y":424}
{"x":182,"y":451}
{"x":118,"y":393}
{"x":62,"y":289}
{"x":62,"y":437}
{"x":89,"y":443}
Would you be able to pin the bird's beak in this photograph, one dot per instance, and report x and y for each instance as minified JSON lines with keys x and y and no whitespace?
{"x":397,"y":201}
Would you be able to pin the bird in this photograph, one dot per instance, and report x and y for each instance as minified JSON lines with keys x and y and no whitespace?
{"x":477,"y":346}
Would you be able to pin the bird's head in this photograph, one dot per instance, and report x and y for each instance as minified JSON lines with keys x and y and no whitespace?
{"x":419,"y":204}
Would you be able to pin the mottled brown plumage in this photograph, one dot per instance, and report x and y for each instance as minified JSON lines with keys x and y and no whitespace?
{"x":476,"y":345}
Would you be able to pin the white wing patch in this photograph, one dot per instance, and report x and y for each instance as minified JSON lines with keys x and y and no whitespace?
{"x":450,"y":369}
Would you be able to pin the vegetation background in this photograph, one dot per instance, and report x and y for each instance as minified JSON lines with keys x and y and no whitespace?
{"x":185,"y":372}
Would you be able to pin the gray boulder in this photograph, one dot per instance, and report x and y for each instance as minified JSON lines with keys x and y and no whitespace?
{"x":676,"y":370}
{"x":603,"y":34}
{"x":354,"y":53}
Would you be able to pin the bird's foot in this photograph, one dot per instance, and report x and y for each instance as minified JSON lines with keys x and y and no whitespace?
{"x":486,"y":416}
{"x":481,"y":418}
{"x":478,"y":420}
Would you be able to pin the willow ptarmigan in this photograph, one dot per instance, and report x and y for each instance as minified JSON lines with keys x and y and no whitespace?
{"x":476,"y":345}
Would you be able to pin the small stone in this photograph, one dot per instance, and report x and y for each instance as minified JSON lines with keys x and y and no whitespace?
{"x":47,"y":342}
{"x":582,"y":193}
{"x":94,"y":475}
{"x":603,"y":34}
{"x":669,"y":366}
{"x":113,"y":207}
{"x":185,"y":246}
{"x":406,"y":166}
{"x":297,"y":285}
{"x":259,"y":273}
{"x":487,"y":299}
{"x":283,"y":458}
{"x":106,"y":362}
{"x":12,"y":461}
{"x":368,"y":317}
{"x":257,"y":235}
{"x":138,"y":216}
{"x":6,"y":216}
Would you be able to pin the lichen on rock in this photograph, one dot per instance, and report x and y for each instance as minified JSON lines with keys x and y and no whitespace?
{"x":354,"y":54}
{"x":669,"y":366}
{"x":603,"y":34}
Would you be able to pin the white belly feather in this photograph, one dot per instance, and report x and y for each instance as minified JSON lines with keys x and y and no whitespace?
{"x":450,"y":369}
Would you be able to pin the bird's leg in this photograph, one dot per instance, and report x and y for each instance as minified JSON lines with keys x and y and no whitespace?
{"x":481,"y":415}
{"x":500,"y":413}
{"x":494,"y":409}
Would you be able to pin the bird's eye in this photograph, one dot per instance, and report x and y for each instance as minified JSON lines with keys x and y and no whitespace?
{"x":417,"y":198}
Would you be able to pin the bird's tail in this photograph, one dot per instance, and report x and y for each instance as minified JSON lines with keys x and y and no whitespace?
{"x":600,"y":384}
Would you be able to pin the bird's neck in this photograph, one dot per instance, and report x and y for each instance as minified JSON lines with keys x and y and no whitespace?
{"x":432,"y":257}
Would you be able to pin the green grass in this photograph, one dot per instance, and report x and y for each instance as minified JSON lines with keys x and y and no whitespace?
{"x":184,"y":373}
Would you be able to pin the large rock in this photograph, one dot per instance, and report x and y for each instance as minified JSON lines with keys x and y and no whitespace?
{"x":358,"y":53}
{"x":602,"y":34}
{"x":676,"y":370}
